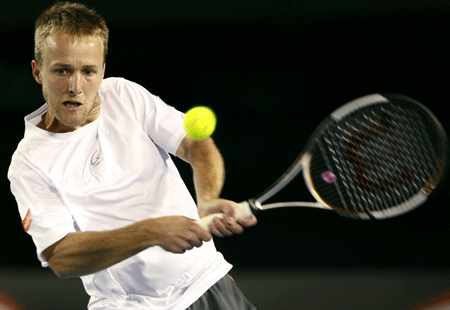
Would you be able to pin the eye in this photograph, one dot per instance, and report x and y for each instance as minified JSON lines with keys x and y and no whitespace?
{"x":61,"y":71}
{"x":89,"y":71}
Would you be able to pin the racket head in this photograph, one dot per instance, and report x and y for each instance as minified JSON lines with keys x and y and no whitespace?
{"x":376,"y":157}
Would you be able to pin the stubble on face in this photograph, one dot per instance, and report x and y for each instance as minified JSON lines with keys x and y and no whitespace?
{"x":58,"y":122}
{"x":71,"y":74}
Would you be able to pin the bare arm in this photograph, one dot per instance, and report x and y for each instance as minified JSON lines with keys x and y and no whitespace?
{"x":207,"y":166}
{"x":83,"y":253}
{"x":209,"y":177}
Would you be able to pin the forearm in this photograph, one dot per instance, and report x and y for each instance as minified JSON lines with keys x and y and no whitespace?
{"x":83,"y":253}
{"x":209,"y":177}
{"x":208,"y":170}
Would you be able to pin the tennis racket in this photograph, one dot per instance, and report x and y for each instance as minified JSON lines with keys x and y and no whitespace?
{"x":376,"y":157}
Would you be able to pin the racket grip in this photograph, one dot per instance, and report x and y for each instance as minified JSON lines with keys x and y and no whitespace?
{"x":242,"y":210}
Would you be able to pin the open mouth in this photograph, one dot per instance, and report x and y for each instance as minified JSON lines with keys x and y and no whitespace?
{"x":72,"y":104}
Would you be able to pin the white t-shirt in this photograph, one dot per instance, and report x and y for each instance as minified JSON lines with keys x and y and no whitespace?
{"x":108,"y":174}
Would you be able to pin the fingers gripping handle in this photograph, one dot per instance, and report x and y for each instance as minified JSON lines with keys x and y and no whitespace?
{"x":241,"y":211}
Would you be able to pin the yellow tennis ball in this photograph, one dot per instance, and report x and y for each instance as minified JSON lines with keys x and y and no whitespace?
{"x":200,"y":122}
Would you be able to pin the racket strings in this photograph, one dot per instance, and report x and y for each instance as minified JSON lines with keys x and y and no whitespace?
{"x":419,"y":151}
{"x":382,"y":157}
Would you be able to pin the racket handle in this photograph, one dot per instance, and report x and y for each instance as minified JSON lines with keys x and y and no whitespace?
{"x":241,"y":211}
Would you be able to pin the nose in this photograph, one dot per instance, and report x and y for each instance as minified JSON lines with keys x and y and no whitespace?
{"x":74,"y":84}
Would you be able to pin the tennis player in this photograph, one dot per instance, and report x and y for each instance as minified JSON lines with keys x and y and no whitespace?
{"x":97,"y":189}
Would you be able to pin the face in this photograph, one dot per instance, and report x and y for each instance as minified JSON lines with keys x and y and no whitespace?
{"x":71,"y":72}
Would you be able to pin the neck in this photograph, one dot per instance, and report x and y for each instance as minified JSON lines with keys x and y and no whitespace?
{"x":50,"y":123}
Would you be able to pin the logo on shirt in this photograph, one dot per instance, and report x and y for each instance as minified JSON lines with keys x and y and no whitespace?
{"x":26,"y":222}
{"x":96,"y":158}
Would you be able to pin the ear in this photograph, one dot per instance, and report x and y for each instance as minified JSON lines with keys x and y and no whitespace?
{"x":104,"y":68}
{"x":36,"y":69}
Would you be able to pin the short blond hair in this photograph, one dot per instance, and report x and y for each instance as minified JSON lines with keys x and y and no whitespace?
{"x":70,"y":18}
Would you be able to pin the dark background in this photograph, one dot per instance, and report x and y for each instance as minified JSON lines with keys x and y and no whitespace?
{"x":271,"y":70}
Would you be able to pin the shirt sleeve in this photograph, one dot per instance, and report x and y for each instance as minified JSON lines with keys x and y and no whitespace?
{"x":162,"y":123}
{"x":44,"y":216}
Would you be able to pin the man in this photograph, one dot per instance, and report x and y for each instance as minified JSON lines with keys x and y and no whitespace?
{"x":98,"y":191}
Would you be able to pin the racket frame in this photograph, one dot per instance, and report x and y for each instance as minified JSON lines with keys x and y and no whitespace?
{"x":302,"y":163}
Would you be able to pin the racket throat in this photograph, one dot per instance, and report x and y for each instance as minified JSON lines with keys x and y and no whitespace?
{"x":255,"y":206}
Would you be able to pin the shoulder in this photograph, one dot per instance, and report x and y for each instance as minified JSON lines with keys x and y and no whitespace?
{"x":120,"y":86}
{"x":111,"y":82}
{"x":129,"y":94}
{"x":23,"y":157}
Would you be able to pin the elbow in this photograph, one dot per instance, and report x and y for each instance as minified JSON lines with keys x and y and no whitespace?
{"x":63,"y":268}
{"x":61,"y":275}
{"x":60,"y":271}
{"x":57,"y":263}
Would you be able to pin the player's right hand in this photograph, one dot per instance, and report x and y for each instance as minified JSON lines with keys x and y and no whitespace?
{"x":176,"y":234}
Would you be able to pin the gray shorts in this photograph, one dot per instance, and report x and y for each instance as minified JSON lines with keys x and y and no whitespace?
{"x":224,"y":295}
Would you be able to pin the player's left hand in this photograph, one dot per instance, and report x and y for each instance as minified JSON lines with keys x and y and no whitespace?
{"x":228,"y":225}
